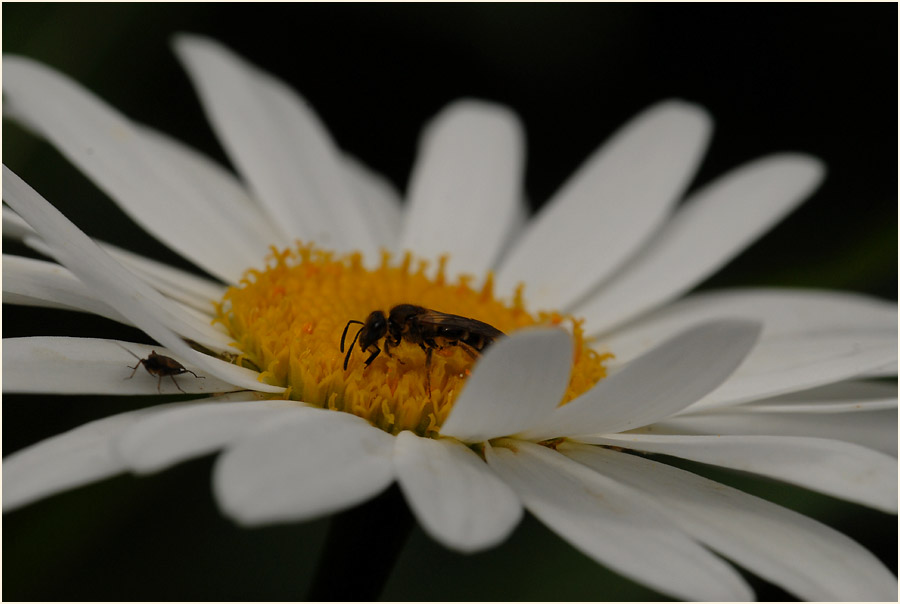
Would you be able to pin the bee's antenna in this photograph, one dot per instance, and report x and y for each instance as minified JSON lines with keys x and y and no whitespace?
{"x":344,"y":335}
{"x":350,"y":350}
{"x":128,"y":351}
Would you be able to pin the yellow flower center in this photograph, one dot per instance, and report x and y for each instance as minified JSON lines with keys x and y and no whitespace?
{"x":289,"y":318}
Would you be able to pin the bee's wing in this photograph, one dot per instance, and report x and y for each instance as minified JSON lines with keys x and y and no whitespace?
{"x":474,"y":326}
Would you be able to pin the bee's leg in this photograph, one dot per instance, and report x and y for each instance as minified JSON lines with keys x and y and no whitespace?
{"x":388,"y":344}
{"x":428,"y":372}
{"x":468,"y":350}
{"x":174,"y":382}
{"x":194,"y":374}
{"x":373,"y":355}
{"x":159,"y":383}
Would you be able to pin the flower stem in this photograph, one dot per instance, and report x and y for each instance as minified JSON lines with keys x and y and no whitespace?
{"x":362,"y":546}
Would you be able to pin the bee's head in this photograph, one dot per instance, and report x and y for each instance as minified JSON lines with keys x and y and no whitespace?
{"x":373,"y":330}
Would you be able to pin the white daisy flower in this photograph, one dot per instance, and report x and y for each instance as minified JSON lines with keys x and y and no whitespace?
{"x":773,"y":382}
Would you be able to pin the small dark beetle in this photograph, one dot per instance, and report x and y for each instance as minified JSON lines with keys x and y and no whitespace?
{"x":160,"y":366}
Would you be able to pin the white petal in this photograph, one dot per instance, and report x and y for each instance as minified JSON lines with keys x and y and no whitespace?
{"x":303,"y":468}
{"x":519,"y":381}
{"x":14,"y":227}
{"x":232,"y":212}
{"x":188,"y":288}
{"x":69,"y":239}
{"x":887,"y":370}
{"x":837,"y":468}
{"x":609,"y":208}
{"x":38,"y":283}
{"x":165,"y":439}
{"x":808,"y":559}
{"x":123,"y":291}
{"x":656,"y":385}
{"x":465,"y":186}
{"x":279,"y":146}
{"x":66,"y":461}
{"x":457,"y":499}
{"x":46,"y":284}
{"x":781,"y":311}
{"x":63,"y":365}
{"x":873,"y":429}
{"x":614,"y":524}
{"x":380,"y":202}
{"x":709,"y":229}
{"x":831,"y":399}
{"x":791,"y":363}
{"x":521,"y":216}
{"x":147,"y":184}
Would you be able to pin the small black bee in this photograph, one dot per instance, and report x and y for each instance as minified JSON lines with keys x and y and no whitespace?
{"x":422,"y":326}
{"x":160,"y":366}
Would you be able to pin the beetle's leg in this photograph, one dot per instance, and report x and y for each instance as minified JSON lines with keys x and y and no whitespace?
{"x":174,"y":382}
{"x":135,"y":368}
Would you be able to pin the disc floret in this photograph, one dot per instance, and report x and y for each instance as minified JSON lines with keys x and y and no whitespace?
{"x":288,"y":320}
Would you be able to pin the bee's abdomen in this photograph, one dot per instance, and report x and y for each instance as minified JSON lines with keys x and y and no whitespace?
{"x":457,"y":334}
{"x":477,"y":341}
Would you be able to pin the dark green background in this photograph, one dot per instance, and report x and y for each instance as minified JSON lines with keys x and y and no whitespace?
{"x":814,"y":78}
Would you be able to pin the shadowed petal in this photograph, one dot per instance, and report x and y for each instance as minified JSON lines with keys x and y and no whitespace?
{"x":188,"y":288}
{"x":149,"y":184}
{"x":122,"y":290}
{"x":167,"y":438}
{"x":68,"y":460}
{"x":458,"y":500}
{"x":227,"y":197}
{"x":31,"y":282}
{"x":805,"y":557}
{"x":665,"y":380}
{"x":279,"y":146}
{"x":831,"y":399}
{"x":710,"y":228}
{"x":837,"y":468}
{"x":864,"y":413}
{"x":302,"y":468}
{"x":873,"y":429}
{"x":379,"y":201}
{"x":614,"y":524}
{"x":782,"y":312}
{"x":465,"y":186}
{"x":788,"y":364}
{"x":608,"y":209}
{"x":519,"y":381}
